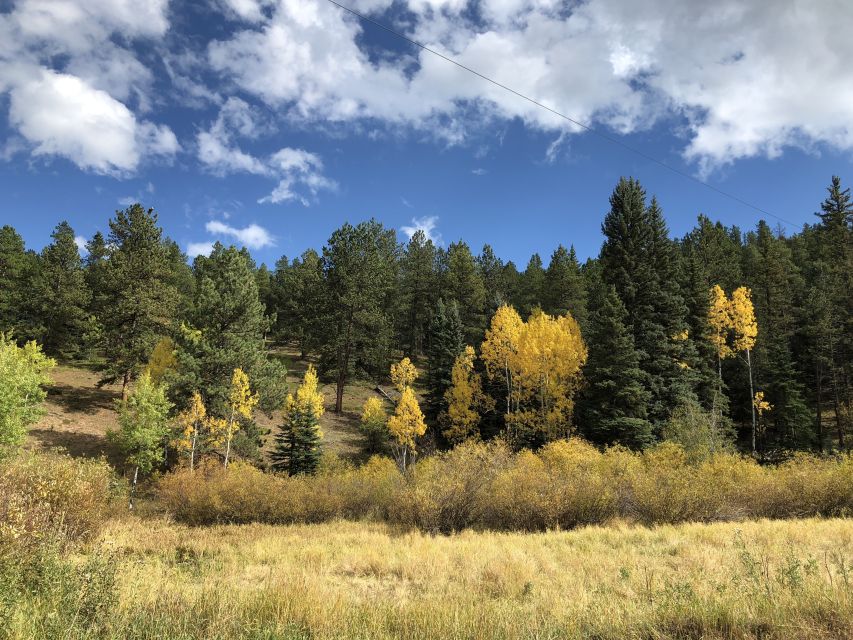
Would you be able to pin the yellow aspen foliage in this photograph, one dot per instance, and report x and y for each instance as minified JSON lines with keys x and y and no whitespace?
{"x":761,"y":405}
{"x":374,"y":424}
{"x":372,"y":411}
{"x":403,"y":374}
{"x":190,"y":423}
{"x":405,"y":425}
{"x":241,"y":403}
{"x":464,"y":397}
{"x":720,"y":321}
{"x":217,"y":428}
{"x":743,"y":319}
{"x":546,"y":369}
{"x":308,"y":398}
{"x":501,"y":344}
{"x":162,"y":360}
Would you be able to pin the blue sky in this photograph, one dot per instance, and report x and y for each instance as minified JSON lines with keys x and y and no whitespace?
{"x":270,"y":123}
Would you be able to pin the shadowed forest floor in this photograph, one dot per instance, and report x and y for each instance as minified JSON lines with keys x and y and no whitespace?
{"x":79,"y":413}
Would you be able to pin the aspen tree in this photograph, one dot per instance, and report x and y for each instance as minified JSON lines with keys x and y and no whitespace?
{"x":241,"y":403}
{"x":190,"y":423}
{"x":745,"y":330}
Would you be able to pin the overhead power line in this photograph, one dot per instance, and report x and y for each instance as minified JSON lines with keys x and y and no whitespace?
{"x":583,"y":126}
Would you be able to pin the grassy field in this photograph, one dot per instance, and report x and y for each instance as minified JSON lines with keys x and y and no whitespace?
{"x":767,"y":579}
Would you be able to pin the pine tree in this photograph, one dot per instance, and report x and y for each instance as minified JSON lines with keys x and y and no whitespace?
{"x":17,"y":270}
{"x":298,"y":444}
{"x":359,"y":265}
{"x":61,"y":294}
{"x":638,"y":259}
{"x":298,"y":299}
{"x":493,"y":272}
{"x":532,"y":291}
{"x":564,"y":288}
{"x":135,"y":298}
{"x":224,"y":330}
{"x":462,"y":283}
{"x":445,"y":343}
{"x":614,"y":405}
{"x":775,"y":282}
{"x":418,"y":291}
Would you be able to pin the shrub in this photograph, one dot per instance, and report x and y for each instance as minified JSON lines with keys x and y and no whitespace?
{"x":485,"y":486}
{"x":52,"y":497}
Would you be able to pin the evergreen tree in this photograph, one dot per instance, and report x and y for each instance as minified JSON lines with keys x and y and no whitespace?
{"x":463,"y":284}
{"x":359,"y":265}
{"x":298,"y":293}
{"x":298,"y":444}
{"x":492,"y":270}
{"x":564,"y":289}
{"x":532,"y":291}
{"x":136,"y":298}
{"x":638,"y":259}
{"x":445,"y":343}
{"x":223,"y":331}
{"x":61,"y":294}
{"x":613,"y":406}
{"x":17,"y":269}
{"x":774,"y":281}
{"x":418,"y":291}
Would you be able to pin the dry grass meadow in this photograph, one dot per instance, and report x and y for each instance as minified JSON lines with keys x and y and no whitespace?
{"x":764,"y":579}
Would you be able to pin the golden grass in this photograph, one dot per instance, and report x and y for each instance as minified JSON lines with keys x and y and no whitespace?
{"x":760,"y":579}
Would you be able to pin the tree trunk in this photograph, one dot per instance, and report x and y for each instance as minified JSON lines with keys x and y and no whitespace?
{"x":228,"y":443}
{"x":192,"y":450}
{"x":751,"y":399}
{"x":133,"y":487}
{"x":819,"y":381}
{"x":125,"y":382}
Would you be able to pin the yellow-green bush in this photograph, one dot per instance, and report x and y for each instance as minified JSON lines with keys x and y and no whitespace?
{"x":485,"y":486}
{"x":50,"y":496}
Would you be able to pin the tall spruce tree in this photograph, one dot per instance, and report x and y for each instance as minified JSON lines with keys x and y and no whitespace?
{"x":135,"y":298}
{"x":613,"y":406}
{"x":564,"y":289}
{"x":61,"y":294}
{"x":775,"y":282}
{"x":298,"y":444}
{"x":299,"y":304}
{"x":638,"y":259}
{"x":359,"y":266}
{"x":462,"y":283}
{"x":532,"y":290}
{"x":445,"y":341}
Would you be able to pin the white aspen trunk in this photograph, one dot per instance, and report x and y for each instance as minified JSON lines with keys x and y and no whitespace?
{"x":751,"y":399}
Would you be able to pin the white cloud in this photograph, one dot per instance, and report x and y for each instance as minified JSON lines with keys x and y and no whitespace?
{"x":479,"y":171}
{"x":297,"y":171}
{"x":747,"y":78}
{"x":62,"y":115}
{"x":80,"y":109}
{"x":80,"y":241}
{"x":126,"y":201}
{"x":427,"y":224}
{"x":199,"y":249}
{"x":253,"y":236}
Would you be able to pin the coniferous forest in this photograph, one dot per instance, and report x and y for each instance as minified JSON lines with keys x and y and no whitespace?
{"x":677,"y":384}
{"x":743,"y":335}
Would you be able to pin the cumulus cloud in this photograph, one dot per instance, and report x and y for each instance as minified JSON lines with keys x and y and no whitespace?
{"x":82,"y":109}
{"x":299,"y":172}
{"x":253,"y":236}
{"x":427,"y":224}
{"x":60,"y":114}
{"x":80,"y":241}
{"x":199,"y":249}
{"x":739,"y":79}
